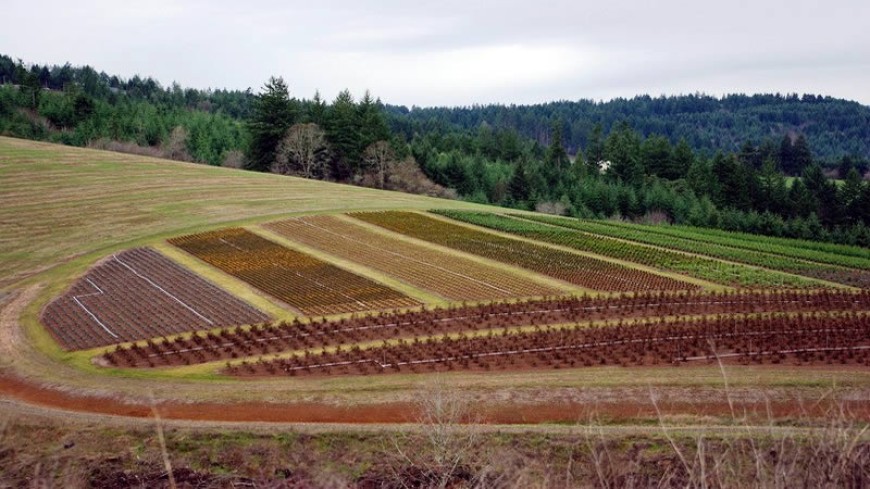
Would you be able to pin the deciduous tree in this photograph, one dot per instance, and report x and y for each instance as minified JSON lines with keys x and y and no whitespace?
{"x":302,"y":151}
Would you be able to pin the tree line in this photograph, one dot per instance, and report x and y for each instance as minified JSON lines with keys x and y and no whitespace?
{"x":633,"y":159}
{"x":622,"y":174}
{"x":833,"y":127}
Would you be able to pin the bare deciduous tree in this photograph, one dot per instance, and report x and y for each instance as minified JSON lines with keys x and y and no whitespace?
{"x":301,"y":151}
{"x":380,"y":157}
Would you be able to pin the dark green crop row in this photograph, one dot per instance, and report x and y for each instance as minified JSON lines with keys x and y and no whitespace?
{"x":829,"y":253}
{"x":704,"y":268}
{"x":771,"y":259}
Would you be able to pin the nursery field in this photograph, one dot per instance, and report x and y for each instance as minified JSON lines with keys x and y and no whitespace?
{"x":585,"y":271}
{"x":843,"y":267}
{"x":460,"y":325}
{"x":303,"y":281}
{"x":726,"y":273}
{"x":137,"y":295}
{"x":131,"y":282}
{"x":448,"y":275}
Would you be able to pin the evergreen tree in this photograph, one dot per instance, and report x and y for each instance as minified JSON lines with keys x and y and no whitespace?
{"x":699,"y":178}
{"x":595,"y":147}
{"x":556,"y":158}
{"x":519,"y":187}
{"x":803,"y":202}
{"x":656,"y":157}
{"x":317,"y":110}
{"x":681,"y":161}
{"x":622,"y":149}
{"x":373,"y":124}
{"x":750,"y":156}
{"x":786,"y":157}
{"x":851,"y":195}
{"x":274,"y":112}
{"x":773,"y":195}
{"x":801,"y":154}
{"x":343,"y":133}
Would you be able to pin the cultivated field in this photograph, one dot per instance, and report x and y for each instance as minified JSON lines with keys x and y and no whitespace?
{"x":843,"y":264}
{"x":138,"y":295}
{"x":130,"y":282}
{"x":457,"y":326}
{"x":306,"y":283}
{"x":453,"y":277}
{"x":585,"y":271}
{"x":726,"y":273}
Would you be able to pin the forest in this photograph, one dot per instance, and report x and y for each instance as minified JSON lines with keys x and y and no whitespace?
{"x":782,"y":165}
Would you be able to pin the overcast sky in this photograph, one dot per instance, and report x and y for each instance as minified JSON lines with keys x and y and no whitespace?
{"x":461,"y":52}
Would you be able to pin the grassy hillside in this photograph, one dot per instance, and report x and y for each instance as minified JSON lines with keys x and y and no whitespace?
{"x":59,"y":202}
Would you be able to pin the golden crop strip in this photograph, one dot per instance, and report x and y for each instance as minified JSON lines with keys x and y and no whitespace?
{"x":302,"y":281}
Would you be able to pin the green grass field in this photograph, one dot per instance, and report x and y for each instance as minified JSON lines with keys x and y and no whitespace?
{"x":58,"y":203}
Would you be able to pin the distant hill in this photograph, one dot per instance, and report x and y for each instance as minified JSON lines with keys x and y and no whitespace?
{"x":833,"y":127}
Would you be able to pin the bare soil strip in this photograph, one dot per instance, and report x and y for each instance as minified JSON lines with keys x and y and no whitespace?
{"x":400,"y":412}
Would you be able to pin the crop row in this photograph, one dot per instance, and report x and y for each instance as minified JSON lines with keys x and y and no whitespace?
{"x":802,"y":339}
{"x":704,"y":268}
{"x":140,"y":294}
{"x":447,"y":274}
{"x":297,"y":335}
{"x":301,"y":280}
{"x":771,"y":257}
{"x":818,"y":251}
{"x":588,"y":272}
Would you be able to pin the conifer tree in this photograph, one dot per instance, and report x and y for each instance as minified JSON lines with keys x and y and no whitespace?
{"x":273,"y":113}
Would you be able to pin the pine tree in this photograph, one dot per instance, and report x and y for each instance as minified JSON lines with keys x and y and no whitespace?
{"x":850,"y":195}
{"x":656,"y":157}
{"x":519,"y":187}
{"x":786,"y":156}
{"x":343,"y":133}
{"x":681,"y":161}
{"x":595,"y":147}
{"x":622,"y":149}
{"x":801,"y":154}
{"x":273,"y":113}
{"x":557,"y":158}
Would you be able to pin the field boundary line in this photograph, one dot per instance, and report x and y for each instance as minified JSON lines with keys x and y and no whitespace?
{"x":91,"y":314}
{"x":161,"y":289}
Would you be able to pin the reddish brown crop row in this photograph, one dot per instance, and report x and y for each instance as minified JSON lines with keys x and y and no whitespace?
{"x":447,"y":274}
{"x":306,"y":283}
{"x":814,"y":338}
{"x":584,"y":271}
{"x":239,"y":343}
{"x":140,"y":294}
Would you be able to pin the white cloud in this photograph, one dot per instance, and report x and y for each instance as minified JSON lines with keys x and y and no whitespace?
{"x":462,"y":52}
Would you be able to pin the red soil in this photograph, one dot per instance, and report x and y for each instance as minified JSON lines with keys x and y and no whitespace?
{"x":493,"y":413}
